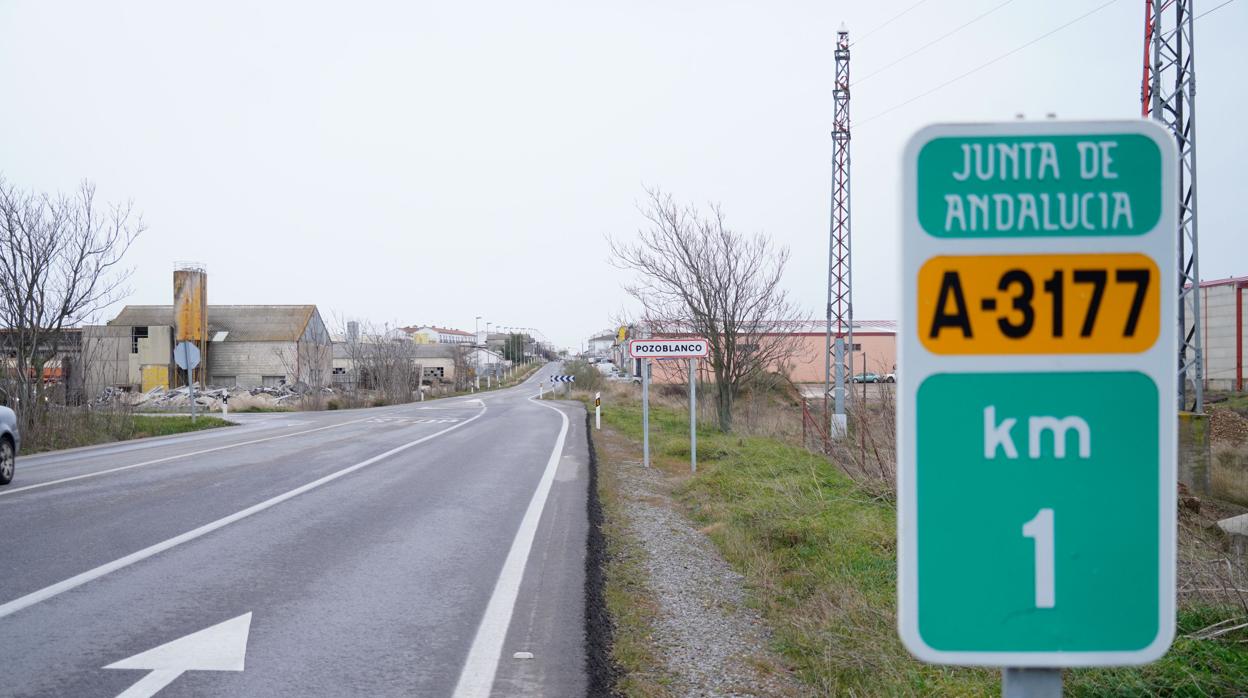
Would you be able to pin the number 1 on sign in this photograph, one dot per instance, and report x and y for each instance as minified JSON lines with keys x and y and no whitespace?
{"x":1040,"y":529}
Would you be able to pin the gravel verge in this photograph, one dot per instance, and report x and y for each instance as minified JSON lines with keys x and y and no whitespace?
{"x":712,"y":643}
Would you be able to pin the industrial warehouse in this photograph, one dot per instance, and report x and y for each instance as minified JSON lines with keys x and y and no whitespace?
{"x":247,"y":346}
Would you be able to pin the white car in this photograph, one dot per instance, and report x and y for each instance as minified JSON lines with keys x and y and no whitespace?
{"x":10,"y":441}
{"x":622,"y":377}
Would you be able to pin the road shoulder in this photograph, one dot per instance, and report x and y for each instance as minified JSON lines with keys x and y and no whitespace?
{"x":681,"y":618}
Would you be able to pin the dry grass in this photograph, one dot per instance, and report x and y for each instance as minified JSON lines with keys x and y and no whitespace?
{"x":73,"y":427}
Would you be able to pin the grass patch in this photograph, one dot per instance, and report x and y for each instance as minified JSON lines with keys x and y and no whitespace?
{"x":148,"y":425}
{"x":818,"y":553}
{"x":74,"y":428}
{"x":1192,"y":667}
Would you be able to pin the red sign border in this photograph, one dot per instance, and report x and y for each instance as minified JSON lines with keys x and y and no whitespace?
{"x":675,"y":339}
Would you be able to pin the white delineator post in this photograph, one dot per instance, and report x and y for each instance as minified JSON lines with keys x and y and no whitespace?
{"x":598,"y":411}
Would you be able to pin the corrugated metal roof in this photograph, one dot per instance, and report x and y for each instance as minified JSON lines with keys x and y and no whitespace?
{"x":244,"y":323}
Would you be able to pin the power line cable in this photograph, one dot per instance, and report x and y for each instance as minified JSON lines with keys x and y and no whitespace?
{"x":1212,"y":9}
{"x":896,"y":17}
{"x":935,"y":41}
{"x":981,"y":66}
{"x":1167,"y":35}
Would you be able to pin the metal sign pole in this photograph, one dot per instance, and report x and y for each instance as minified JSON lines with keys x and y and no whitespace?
{"x":645,"y":412}
{"x":1017,"y":682}
{"x":693,"y":416}
{"x":190,"y":378}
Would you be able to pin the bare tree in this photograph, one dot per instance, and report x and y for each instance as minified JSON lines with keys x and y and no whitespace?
{"x":60,"y":263}
{"x":465,"y":372}
{"x":695,"y":275}
{"x":380,"y":361}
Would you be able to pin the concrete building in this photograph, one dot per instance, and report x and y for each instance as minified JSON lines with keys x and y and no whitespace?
{"x":601,"y":343}
{"x":248,"y":346}
{"x":437,"y":361}
{"x":486,"y":361}
{"x":430,"y":334}
{"x":1223,"y":333}
{"x":874,"y":350}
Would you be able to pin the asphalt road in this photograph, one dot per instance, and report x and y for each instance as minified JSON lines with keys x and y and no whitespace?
{"x":419,"y":550}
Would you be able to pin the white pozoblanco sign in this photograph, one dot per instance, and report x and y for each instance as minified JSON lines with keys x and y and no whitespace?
{"x":683,"y":348}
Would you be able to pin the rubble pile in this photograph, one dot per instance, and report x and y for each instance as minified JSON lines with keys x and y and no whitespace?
{"x":1227,"y":426}
{"x":163,"y":399}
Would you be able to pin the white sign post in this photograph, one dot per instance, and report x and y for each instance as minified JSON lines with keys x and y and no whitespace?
{"x":680,"y":348}
{"x":186,"y":356}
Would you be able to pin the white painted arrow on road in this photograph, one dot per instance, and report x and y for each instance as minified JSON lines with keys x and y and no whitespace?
{"x":221,"y":647}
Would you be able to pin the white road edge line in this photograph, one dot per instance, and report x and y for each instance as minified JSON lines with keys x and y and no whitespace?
{"x":166,"y":459}
{"x":477,"y":677}
{"x":77,"y":580}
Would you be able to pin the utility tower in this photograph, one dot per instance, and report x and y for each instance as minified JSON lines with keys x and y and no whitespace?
{"x":838,"y":360}
{"x":1168,"y":94}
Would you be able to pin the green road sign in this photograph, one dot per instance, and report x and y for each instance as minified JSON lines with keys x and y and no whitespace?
{"x":1037,"y":417}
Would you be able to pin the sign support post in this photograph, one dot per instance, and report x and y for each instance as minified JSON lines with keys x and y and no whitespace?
{"x":190,"y":386}
{"x":645,"y":412}
{"x":693,"y":416}
{"x":186,"y":356}
{"x":1031,"y":683}
{"x":677,"y":348}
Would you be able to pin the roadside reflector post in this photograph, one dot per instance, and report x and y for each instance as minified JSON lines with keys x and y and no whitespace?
{"x":541,"y":390}
{"x":598,"y":411}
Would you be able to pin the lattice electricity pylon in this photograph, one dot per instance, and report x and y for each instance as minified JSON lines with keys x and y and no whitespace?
{"x":1168,"y":94}
{"x":840,"y":320}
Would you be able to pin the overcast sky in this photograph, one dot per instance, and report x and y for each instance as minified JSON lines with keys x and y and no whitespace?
{"x":409,"y":162}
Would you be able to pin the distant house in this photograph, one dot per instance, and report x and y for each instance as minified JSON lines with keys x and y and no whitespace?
{"x":247,"y":346}
{"x":485,"y":360}
{"x":600,"y":344}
